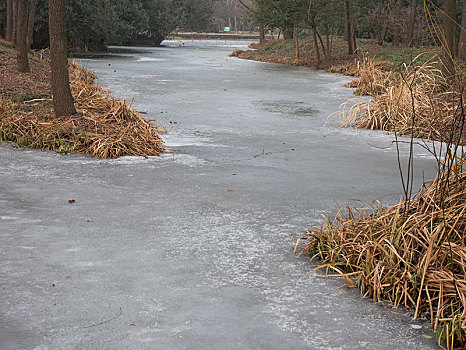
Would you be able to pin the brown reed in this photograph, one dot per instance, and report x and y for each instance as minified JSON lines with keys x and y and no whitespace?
{"x":411,"y":255}
{"x":104,"y":127}
{"x":416,"y":90}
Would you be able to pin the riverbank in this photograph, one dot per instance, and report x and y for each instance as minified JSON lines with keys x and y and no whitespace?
{"x":284,"y":52}
{"x":104,"y":127}
{"x":413,"y":253}
{"x":381,"y":72}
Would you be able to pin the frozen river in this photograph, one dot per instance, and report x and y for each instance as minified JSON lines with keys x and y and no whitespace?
{"x":193,"y":250}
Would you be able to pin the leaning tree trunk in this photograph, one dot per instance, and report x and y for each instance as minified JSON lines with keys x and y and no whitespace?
{"x":412,"y":20}
{"x":32,"y":15}
{"x":316,"y":45}
{"x":21,"y":37}
{"x":9,"y":20}
{"x":449,"y":42}
{"x":60,"y":80}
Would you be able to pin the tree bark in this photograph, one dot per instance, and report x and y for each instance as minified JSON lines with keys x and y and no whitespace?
{"x":412,"y":20}
{"x":60,"y":81}
{"x":14,"y":29}
{"x":9,"y":20}
{"x":316,"y":45}
{"x":21,"y":37}
{"x":449,"y":42}
{"x":261,"y":35}
{"x":31,"y":18}
{"x":327,"y":39}
{"x":296,"y":39}
{"x":462,"y":43}
{"x":397,"y":23}
{"x":350,"y":28}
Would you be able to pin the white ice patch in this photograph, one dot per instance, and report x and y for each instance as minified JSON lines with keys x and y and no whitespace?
{"x":173,"y":140}
{"x":9,"y":218}
{"x":416,"y":326}
{"x":134,"y":160}
{"x":88,"y":263}
{"x":188,"y":160}
{"x":151,"y":59}
{"x":27,"y":248}
{"x":72,"y":250}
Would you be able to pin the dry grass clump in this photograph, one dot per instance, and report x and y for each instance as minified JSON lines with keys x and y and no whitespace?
{"x":373,"y":77}
{"x":412,"y":254}
{"x":346,"y":68}
{"x":104,"y":127}
{"x":236,"y":53}
{"x":418,"y":101}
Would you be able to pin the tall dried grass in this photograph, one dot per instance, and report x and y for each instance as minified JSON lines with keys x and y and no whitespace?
{"x":105,"y":127}
{"x":414,"y":253}
{"x":415,"y":257}
{"x":417,"y":90}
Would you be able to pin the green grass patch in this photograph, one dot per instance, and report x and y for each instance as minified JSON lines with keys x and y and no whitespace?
{"x":399,"y":57}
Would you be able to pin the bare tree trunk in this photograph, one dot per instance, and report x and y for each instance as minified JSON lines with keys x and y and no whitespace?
{"x":350,"y":28}
{"x":346,"y":33}
{"x":296,"y":39}
{"x":21,"y":37}
{"x":14,"y":30}
{"x":261,"y":35}
{"x":316,"y":45}
{"x":327,"y":39}
{"x":60,"y":81}
{"x":9,"y":20}
{"x":397,"y":23}
{"x":321,"y":41}
{"x":412,"y":20}
{"x":449,"y":28}
{"x":31,"y":18}
{"x":353,"y":30}
{"x":462,"y":43}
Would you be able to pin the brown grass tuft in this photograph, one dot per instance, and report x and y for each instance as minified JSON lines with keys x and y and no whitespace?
{"x":412,"y":255}
{"x":417,"y":100}
{"x":105,"y":127}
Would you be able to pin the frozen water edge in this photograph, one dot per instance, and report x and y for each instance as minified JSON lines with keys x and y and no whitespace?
{"x":196,"y":246}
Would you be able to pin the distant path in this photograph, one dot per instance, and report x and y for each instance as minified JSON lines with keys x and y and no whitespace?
{"x":221,"y":36}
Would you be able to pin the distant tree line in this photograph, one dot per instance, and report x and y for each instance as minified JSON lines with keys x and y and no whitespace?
{"x":92,"y":24}
{"x":230,"y":13}
{"x":398,"y":22}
